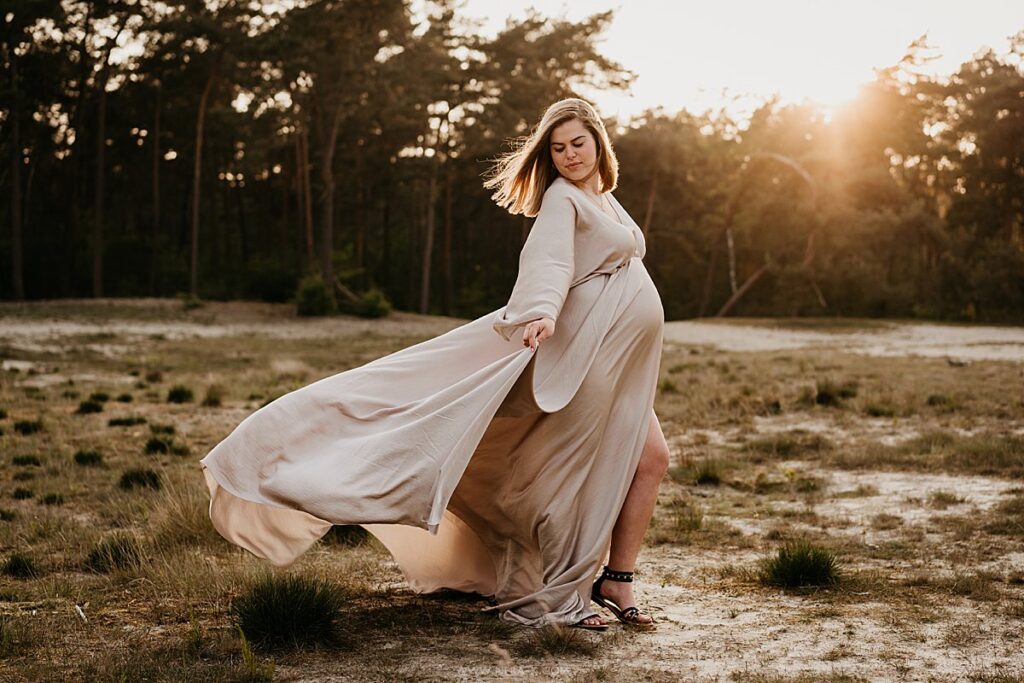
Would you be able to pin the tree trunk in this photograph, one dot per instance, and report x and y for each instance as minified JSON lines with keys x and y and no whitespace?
{"x":17,"y":275}
{"x":360,"y":217}
{"x":97,"y":226}
{"x":327,"y":226}
{"x":196,"y":176}
{"x":738,"y":294}
{"x":428,"y":243}
{"x":307,"y":196}
{"x":154,"y":245}
{"x":449,"y":281}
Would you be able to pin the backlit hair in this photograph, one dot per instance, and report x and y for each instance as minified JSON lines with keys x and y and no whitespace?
{"x":522,"y":175}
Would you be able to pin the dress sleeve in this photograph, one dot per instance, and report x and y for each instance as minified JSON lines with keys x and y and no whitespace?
{"x":546,"y":266}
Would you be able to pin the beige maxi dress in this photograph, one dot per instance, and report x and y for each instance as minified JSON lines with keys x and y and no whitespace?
{"x":481,"y":464}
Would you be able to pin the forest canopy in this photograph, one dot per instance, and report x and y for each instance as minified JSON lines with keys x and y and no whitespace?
{"x":233,"y":149}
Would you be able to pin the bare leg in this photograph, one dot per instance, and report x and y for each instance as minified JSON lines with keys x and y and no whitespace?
{"x":635,"y":516}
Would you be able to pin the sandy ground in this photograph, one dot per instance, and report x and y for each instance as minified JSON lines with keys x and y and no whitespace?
{"x":958,"y":342}
{"x":708,"y":628}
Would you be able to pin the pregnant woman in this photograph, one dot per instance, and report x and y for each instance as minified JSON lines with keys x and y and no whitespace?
{"x":509,"y":456}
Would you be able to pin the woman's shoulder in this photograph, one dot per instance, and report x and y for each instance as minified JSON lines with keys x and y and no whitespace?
{"x":560,"y":188}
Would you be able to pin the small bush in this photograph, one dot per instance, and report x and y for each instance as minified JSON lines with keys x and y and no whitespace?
{"x":7,"y":515}
{"x":214,"y":396}
{"x":828,"y":393}
{"x":800,"y":563}
{"x":708,"y":472}
{"x":24,"y":475}
{"x":20,"y":566}
{"x":52,"y":499}
{"x":129,"y":421}
{"x":158,"y":445}
{"x":154,"y":377}
{"x":373,"y":303}
{"x":668,"y":386}
{"x":313,"y":297}
{"x":87,"y":407}
{"x":3,"y":414}
{"x":120,"y":550}
{"x":124,"y":398}
{"x":99,"y":396}
{"x":26,"y":427}
{"x":161,"y":429}
{"x":179,"y":394}
{"x":289,"y":612}
{"x":139,"y":478}
{"x":26,"y":461}
{"x":346,"y":535}
{"x":879,"y":410}
{"x":88,"y":458}
{"x":22,"y":494}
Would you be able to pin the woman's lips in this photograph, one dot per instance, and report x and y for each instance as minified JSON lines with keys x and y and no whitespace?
{"x":574,"y":165}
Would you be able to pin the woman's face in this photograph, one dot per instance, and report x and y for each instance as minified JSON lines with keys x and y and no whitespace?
{"x":573,"y":150}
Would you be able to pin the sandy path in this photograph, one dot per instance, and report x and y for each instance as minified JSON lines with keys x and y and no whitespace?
{"x":973,"y":342}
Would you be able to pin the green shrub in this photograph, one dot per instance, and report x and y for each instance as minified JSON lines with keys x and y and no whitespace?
{"x":88,"y":458}
{"x":214,"y":396}
{"x":313,"y":297}
{"x":3,"y":414}
{"x":52,"y":499}
{"x":129,"y":421}
{"x":158,"y":445}
{"x":124,"y":398}
{"x":22,"y":494}
{"x":26,"y":461}
{"x":26,"y":427}
{"x":20,"y":566}
{"x":708,"y":472}
{"x":289,"y":612}
{"x":90,"y":406}
{"x":99,"y":396}
{"x":139,"y":478}
{"x":373,"y":303}
{"x":179,"y":394}
{"x":800,"y":563}
{"x":7,"y":515}
{"x":120,"y":550}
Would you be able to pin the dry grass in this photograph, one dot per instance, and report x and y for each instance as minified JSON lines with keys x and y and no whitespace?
{"x":155,"y":583}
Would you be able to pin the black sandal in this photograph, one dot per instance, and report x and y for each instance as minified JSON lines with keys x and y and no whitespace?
{"x":630,"y":615}
{"x":589,"y":627}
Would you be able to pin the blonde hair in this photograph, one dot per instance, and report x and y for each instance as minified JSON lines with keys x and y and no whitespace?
{"x":522,"y":175}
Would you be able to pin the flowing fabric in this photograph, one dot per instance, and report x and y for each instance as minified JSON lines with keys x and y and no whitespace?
{"x":481,"y":464}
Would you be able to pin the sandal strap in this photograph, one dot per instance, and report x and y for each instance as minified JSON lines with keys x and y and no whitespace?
{"x":630,"y":614}
{"x":612,"y":575}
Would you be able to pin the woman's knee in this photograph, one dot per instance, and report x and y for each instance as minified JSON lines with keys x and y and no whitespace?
{"x":655,"y":459}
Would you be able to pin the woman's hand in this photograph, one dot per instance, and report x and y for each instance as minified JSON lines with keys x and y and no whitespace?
{"x":537,"y":331}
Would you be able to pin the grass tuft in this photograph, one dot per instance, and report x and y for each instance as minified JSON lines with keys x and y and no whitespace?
{"x":800,"y":563}
{"x":129,"y":421}
{"x":214,"y":396}
{"x":99,"y":396}
{"x":139,"y":478}
{"x":349,"y":535}
{"x":52,"y":499}
{"x":20,"y":566}
{"x":88,"y":458}
{"x":124,"y":398}
{"x":179,"y":394}
{"x":26,"y":461}
{"x":22,"y":493}
{"x":26,"y":427}
{"x":120,"y":550}
{"x":290,"y":611}
{"x":87,"y":407}
{"x":557,"y":640}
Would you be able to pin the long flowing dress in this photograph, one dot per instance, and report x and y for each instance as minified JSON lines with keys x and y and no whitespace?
{"x":481,"y":464}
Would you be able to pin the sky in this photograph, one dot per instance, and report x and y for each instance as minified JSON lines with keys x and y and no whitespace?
{"x":733,"y":54}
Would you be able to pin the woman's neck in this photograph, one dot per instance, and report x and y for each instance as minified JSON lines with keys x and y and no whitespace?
{"x":591,"y":184}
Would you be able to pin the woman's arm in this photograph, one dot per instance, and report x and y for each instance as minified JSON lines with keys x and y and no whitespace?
{"x":546,"y":266}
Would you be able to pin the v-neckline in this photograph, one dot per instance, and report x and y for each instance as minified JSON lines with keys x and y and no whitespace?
{"x":617,"y":220}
